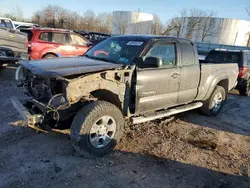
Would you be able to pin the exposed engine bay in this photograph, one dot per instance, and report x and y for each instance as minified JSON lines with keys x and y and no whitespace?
{"x":45,"y":95}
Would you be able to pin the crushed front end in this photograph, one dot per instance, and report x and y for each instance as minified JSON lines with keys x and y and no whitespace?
{"x":45,"y":100}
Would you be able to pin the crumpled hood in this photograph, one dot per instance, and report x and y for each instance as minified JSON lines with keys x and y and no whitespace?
{"x":67,"y":66}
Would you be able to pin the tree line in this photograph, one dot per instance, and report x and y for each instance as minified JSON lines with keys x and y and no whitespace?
{"x":187,"y":23}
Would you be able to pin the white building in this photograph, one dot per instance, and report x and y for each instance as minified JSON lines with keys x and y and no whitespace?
{"x":128,"y":22}
{"x":223,"y":31}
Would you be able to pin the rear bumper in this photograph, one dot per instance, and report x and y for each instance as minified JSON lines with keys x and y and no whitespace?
{"x":33,"y":120}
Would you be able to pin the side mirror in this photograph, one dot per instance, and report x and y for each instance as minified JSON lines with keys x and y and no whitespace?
{"x":152,"y":62}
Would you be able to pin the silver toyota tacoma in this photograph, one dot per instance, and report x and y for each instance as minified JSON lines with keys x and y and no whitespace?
{"x":134,"y":78}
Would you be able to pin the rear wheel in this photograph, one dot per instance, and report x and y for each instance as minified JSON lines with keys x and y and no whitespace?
{"x":245,"y":91}
{"x":213,"y":105}
{"x":96,"y":129}
{"x":49,"y":56}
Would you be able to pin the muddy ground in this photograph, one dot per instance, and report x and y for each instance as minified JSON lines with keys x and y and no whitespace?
{"x":190,"y":151}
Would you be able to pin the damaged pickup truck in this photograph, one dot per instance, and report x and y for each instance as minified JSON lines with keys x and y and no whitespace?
{"x":137,"y":78}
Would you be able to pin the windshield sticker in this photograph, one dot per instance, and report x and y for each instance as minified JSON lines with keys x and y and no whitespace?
{"x":134,"y":43}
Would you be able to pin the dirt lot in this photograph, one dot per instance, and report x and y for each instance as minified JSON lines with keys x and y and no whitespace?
{"x":191,"y":151}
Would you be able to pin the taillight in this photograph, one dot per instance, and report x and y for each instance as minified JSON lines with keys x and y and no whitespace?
{"x":29,"y":47}
{"x":242,"y":71}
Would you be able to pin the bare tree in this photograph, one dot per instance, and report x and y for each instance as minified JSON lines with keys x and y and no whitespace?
{"x":174,"y":27}
{"x":62,"y":15}
{"x":17,"y":13}
{"x":136,"y":26}
{"x":248,"y":39}
{"x":89,"y":20}
{"x":194,"y":19}
{"x":119,"y":22}
{"x":248,"y":11}
{"x":10,"y":16}
{"x":49,"y":14}
{"x":207,"y":25}
{"x":157,"y":26}
{"x":36,"y":18}
{"x":104,"y":21}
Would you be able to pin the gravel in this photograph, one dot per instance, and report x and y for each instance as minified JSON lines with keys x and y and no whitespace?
{"x":191,"y":151}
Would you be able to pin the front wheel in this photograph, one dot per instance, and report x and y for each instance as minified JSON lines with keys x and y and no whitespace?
{"x":213,"y":105}
{"x":96,"y":129}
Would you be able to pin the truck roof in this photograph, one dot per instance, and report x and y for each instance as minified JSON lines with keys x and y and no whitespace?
{"x":151,"y":37}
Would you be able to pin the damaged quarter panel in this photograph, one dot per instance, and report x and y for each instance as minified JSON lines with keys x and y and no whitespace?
{"x":113,"y":81}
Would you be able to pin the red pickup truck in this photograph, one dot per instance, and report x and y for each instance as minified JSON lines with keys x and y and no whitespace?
{"x":51,"y":43}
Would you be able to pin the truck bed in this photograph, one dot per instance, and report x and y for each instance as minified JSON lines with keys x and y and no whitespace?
{"x":214,"y":71}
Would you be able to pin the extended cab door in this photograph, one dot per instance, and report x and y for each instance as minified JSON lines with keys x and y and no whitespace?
{"x":190,"y":73}
{"x":79,"y":43}
{"x":158,"y":88}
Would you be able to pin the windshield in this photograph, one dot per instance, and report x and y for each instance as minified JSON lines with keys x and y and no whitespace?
{"x":116,"y":50}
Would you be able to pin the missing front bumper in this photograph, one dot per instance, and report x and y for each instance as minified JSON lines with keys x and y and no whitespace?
{"x":33,"y":120}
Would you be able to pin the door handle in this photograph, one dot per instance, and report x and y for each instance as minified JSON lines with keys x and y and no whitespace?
{"x":174,"y":75}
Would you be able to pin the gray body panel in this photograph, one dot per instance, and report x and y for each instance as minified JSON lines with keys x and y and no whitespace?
{"x":212,"y":74}
{"x":13,"y":39}
{"x":157,"y":89}
{"x":190,"y":78}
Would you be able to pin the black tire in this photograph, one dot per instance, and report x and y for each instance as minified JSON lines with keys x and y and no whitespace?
{"x":83,"y":122}
{"x":245,"y":91}
{"x":49,"y":56}
{"x":208,"y":107}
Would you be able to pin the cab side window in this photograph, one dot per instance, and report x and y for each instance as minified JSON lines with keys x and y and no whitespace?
{"x":166,"y":52}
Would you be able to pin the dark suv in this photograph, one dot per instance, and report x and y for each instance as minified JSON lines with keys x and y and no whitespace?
{"x":242,"y":58}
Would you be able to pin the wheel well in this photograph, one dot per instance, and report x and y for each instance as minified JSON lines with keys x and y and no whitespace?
{"x":49,"y":53}
{"x":224,"y":83}
{"x":108,"y":96}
